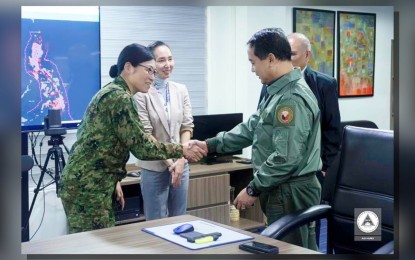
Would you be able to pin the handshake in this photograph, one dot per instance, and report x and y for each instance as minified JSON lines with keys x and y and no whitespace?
{"x":194,"y":150}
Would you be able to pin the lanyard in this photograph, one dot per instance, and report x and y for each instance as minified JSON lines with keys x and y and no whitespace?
{"x":166,"y":103}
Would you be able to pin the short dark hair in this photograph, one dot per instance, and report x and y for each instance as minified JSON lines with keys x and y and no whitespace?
{"x":156,"y":44}
{"x":135,"y":54}
{"x":270,"y":40}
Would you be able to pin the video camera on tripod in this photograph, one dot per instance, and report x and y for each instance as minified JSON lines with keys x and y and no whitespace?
{"x":54,"y":129}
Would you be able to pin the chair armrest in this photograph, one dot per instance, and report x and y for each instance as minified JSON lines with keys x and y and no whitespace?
{"x":385,"y":249}
{"x":289,"y":222}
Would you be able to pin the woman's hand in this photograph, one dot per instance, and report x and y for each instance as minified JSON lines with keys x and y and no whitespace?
{"x":176,"y":171}
{"x":120,"y":195}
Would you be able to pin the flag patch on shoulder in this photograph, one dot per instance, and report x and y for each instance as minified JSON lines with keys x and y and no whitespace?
{"x":285,"y":115}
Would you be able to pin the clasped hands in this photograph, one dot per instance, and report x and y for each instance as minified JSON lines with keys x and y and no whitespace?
{"x":176,"y":171}
{"x":194,"y":150}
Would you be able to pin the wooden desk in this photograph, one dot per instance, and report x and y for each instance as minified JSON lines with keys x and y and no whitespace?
{"x":196,"y":170}
{"x":129,"y":239}
{"x":209,"y":193}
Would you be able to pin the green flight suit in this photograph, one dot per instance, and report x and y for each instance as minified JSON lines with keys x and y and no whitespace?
{"x":285,"y":138}
{"x":109,"y":131}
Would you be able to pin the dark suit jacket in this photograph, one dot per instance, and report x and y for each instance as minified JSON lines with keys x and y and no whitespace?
{"x":324,"y":88}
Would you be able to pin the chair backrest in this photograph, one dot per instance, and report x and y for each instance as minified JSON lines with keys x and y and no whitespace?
{"x":359,"y":123}
{"x":365,"y":178}
{"x":27,"y":163}
{"x":328,"y":189}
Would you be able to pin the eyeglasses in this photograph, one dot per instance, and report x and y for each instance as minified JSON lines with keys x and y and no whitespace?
{"x":150,"y":70}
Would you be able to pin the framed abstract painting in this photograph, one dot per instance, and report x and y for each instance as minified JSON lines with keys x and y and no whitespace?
{"x":318,"y":26}
{"x":356,"y":37}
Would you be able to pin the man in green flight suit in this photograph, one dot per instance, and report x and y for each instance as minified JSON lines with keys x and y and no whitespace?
{"x":284,"y":134}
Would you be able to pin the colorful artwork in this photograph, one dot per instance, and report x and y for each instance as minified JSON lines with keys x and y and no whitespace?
{"x":356,"y":50}
{"x":318,"y":26}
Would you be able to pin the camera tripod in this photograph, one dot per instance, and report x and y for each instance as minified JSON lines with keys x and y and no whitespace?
{"x":56,"y":152}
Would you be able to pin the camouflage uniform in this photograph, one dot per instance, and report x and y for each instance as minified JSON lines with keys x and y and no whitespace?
{"x":285,"y":138}
{"x":108,"y":132}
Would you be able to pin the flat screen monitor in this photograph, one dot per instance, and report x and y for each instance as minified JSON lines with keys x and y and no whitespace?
{"x":207,"y":126}
{"x":60,"y":47}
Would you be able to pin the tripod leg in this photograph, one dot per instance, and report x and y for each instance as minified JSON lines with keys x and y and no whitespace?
{"x":59,"y":164}
{"x":36,"y":191}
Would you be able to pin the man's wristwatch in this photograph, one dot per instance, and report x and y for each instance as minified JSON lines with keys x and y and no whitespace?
{"x":252,"y":191}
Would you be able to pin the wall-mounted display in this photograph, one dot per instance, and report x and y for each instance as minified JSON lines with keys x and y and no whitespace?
{"x":318,"y":26}
{"x":60,"y":57}
{"x":356,"y":39}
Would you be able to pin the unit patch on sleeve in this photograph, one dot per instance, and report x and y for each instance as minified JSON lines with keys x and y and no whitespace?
{"x":285,"y":115}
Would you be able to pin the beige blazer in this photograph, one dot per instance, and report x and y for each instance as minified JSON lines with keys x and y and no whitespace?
{"x":152,"y":115}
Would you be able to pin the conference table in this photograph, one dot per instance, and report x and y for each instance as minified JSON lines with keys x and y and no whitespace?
{"x":130,"y":239}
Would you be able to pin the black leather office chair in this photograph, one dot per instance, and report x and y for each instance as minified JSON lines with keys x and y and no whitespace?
{"x":364,"y":180}
{"x":26,"y":164}
{"x":327,"y":192}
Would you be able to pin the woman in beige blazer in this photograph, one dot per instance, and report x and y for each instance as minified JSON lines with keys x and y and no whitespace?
{"x":166,"y":114}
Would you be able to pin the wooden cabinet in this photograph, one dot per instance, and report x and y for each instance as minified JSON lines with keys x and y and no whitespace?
{"x":209,"y":193}
{"x":215,"y":213}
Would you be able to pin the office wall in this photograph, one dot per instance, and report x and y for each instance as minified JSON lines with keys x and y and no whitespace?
{"x":232,"y":87}
{"x":183,"y":28}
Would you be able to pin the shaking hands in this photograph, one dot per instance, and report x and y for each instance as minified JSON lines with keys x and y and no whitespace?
{"x":194,"y":150}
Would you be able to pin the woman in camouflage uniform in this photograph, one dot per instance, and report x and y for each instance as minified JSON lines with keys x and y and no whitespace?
{"x":109,"y":131}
